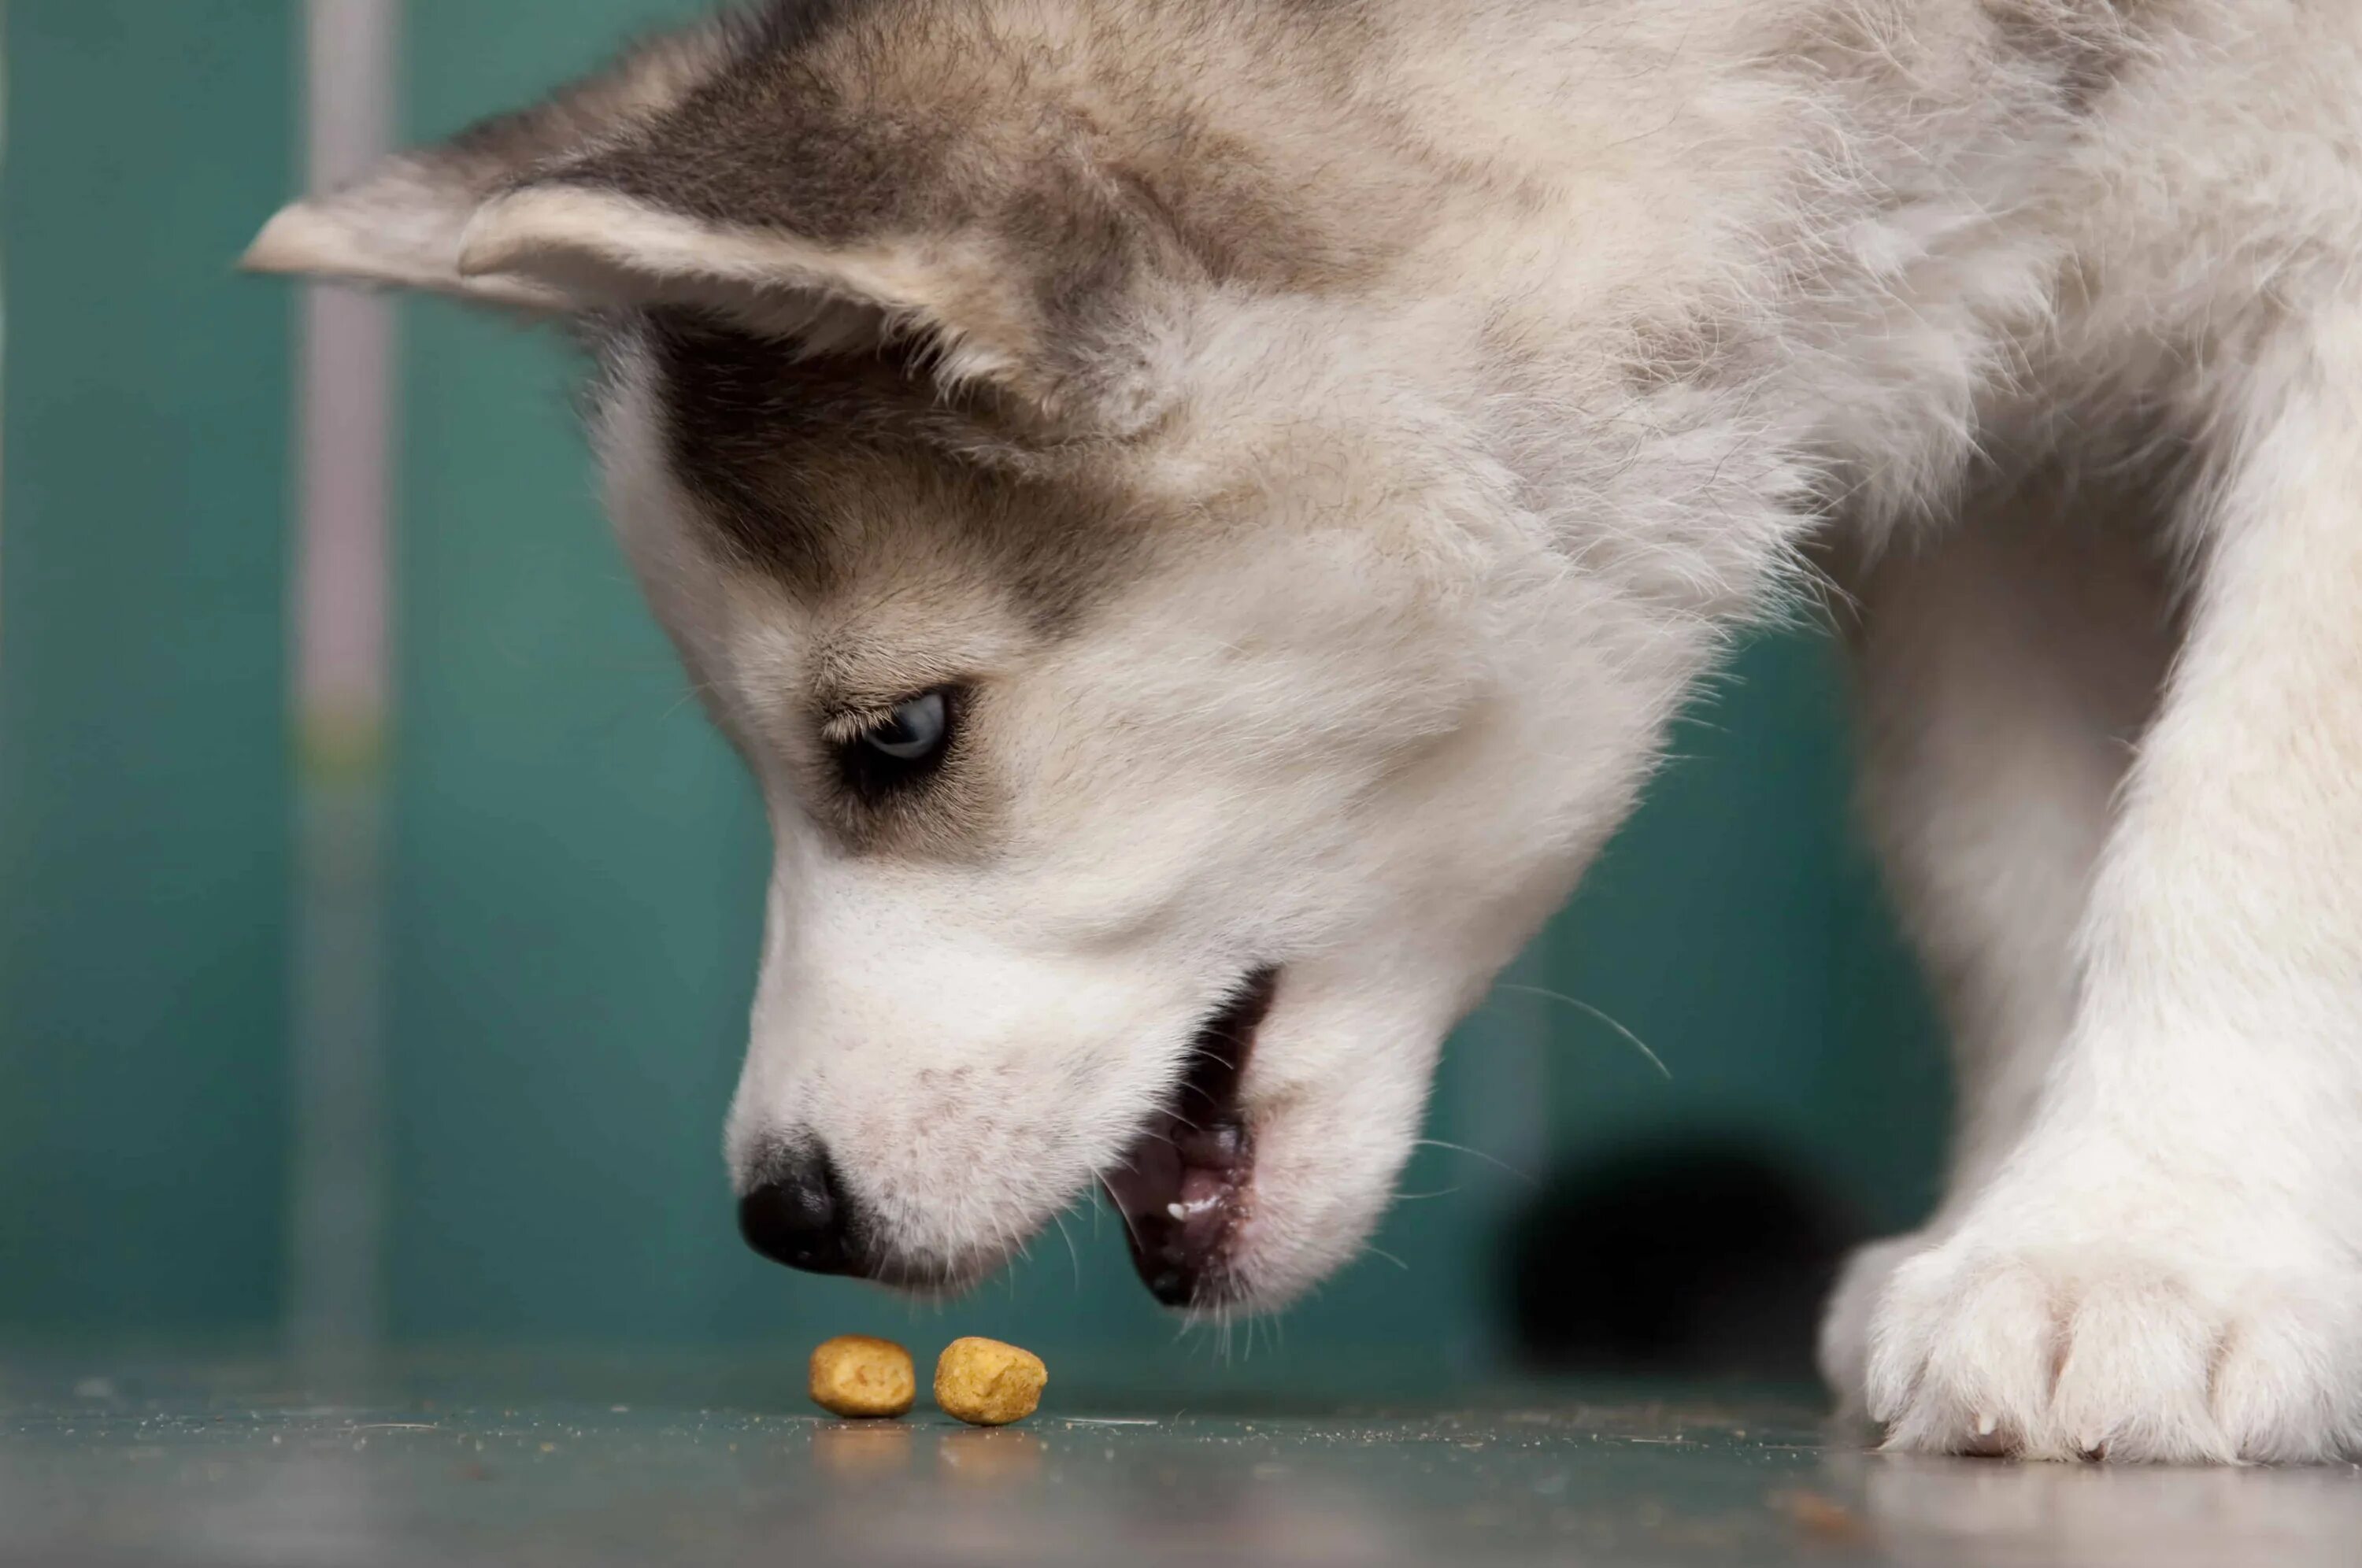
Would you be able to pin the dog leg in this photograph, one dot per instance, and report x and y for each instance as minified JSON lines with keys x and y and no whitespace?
{"x":2168,"y":1265}
{"x":2003,"y":673}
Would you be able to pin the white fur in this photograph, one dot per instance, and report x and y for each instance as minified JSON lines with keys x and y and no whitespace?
{"x":1671,"y":291}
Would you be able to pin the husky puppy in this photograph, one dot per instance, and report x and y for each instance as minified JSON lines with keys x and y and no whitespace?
{"x":1199,"y":513}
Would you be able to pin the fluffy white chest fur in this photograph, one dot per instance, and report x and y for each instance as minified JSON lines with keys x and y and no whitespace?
{"x":1200,"y":512}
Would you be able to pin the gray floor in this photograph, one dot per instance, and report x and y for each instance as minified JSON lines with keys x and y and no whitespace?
{"x":220,"y":1466}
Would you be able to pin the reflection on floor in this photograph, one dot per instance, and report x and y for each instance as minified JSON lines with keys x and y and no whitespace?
{"x":223,"y":1467}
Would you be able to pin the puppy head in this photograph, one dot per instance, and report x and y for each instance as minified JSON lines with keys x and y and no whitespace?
{"x":1170,"y":713}
{"x":1146,"y":809}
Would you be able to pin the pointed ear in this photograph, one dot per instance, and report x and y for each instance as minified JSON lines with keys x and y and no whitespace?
{"x":401,"y":227}
{"x":580,"y":242}
{"x":401,"y":223}
{"x":1052,"y":307}
{"x":802,"y":180}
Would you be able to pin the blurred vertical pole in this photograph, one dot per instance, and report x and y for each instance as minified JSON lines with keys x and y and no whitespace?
{"x":345,"y":416}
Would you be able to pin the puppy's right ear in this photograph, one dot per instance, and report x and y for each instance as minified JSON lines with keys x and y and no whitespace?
{"x":400,"y":224}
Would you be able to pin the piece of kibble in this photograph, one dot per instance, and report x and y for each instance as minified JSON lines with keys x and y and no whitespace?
{"x":853,"y":1374}
{"x":987,"y":1384}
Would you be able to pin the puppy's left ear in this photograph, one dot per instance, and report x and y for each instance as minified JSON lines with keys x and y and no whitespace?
{"x":704,"y":172}
{"x":571,"y":236}
{"x":402,"y":223}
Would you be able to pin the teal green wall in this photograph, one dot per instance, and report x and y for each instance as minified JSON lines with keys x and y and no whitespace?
{"x":576,"y":864}
{"x":143,"y":785}
{"x":1737,"y":926}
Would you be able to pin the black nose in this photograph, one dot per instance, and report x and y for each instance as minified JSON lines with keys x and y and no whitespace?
{"x":801,"y":1217}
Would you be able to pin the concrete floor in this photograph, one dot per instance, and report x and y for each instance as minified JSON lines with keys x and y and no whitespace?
{"x":237,"y":1466}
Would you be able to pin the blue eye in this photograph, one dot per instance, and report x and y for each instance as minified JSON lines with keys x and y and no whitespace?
{"x":914,"y":731}
{"x":904,"y":748}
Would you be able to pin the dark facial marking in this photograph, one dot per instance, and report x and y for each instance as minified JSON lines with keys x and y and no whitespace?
{"x":748,"y":426}
{"x":847,"y":482}
{"x":814,"y":471}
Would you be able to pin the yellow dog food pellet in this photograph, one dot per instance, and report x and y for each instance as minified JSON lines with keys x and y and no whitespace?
{"x":987,"y":1384}
{"x":853,"y":1374}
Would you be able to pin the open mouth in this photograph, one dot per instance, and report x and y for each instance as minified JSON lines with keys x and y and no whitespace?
{"x":1182,"y":1187}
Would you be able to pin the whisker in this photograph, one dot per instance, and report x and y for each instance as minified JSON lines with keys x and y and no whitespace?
{"x":1476,"y":1154}
{"x":1073,"y":1256}
{"x":1129,"y":1228}
{"x":1635,"y":1041}
{"x":1381,"y":1251}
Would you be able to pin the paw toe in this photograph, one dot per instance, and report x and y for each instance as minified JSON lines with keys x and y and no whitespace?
{"x":1963,"y":1359}
{"x":2132,"y":1380}
{"x":2285,"y":1391}
{"x":1844,"y":1345}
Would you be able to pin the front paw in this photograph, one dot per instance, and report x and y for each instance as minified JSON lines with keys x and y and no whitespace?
{"x":2059,"y":1344}
{"x":1843,"y":1348}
